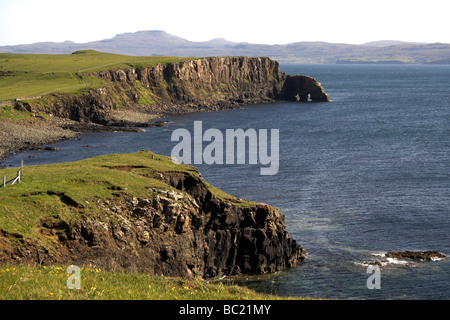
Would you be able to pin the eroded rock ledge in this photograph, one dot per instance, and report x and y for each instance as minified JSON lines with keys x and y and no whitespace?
{"x":406,"y":258}
{"x":417,"y":255}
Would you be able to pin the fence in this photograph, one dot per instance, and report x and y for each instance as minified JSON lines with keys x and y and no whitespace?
{"x":17,"y":179}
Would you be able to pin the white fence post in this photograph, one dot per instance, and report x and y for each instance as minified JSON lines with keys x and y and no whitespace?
{"x":18,"y":178}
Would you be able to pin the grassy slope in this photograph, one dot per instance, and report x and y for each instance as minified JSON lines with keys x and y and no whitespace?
{"x":50,"y":283}
{"x":25,"y":75}
{"x":86,"y":182}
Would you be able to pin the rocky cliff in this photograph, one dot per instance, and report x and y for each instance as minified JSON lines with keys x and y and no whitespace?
{"x":178,"y":226}
{"x":195,"y":85}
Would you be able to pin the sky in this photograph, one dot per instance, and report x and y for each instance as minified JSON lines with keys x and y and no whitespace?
{"x":261,"y":21}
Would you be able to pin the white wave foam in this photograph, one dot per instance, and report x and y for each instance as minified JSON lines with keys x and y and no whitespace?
{"x":378,"y":254}
{"x":396,"y":261}
{"x":385,"y":261}
{"x":437,"y":258}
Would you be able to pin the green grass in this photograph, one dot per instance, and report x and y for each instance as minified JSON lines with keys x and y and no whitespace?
{"x":45,"y":190}
{"x":225,"y":196}
{"x":86,"y":181}
{"x":50,"y":283}
{"x":25,"y":75}
{"x":8,"y":112}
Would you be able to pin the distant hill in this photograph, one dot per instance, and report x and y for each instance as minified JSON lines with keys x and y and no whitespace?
{"x":147,"y":43}
{"x":387,"y":43}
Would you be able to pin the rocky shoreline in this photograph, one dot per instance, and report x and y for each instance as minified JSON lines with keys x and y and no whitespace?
{"x":131,"y":98}
{"x":33,"y":134}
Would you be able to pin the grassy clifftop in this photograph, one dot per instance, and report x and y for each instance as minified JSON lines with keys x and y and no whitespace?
{"x":69,"y":190}
{"x":28,"y":75}
{"x":138,"y":212}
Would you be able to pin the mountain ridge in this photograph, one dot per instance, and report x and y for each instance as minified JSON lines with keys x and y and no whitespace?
{"x":159,"y":42}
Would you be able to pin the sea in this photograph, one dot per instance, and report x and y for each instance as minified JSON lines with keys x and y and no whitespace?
{"x":367,"y":173}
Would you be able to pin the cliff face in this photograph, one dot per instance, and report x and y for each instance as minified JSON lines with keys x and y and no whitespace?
{"x":181,"y":230}
{"x":239,"y":239}
{"x":211,"y":80}
{"x":203,"y":84}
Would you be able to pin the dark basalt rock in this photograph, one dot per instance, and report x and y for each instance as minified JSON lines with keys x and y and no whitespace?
{"x":416,"y":255}
{"x":302,"y":88}
{"x":239,"y":239}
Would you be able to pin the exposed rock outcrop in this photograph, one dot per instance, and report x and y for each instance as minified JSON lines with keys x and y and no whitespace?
{"x":416,"y":255}
{"x":405,"y":258}
{"x":302,"y":88}
{"x":196,"y":85}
